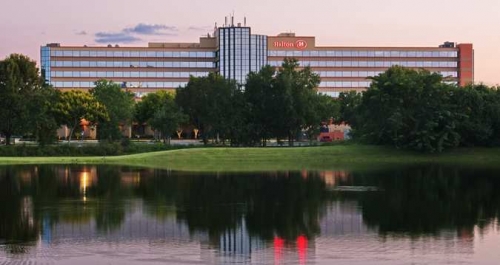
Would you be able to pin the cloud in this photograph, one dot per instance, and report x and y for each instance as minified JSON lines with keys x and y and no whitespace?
{"x":129,"y":35}
{"x":153,"y":29}
{"x":83,"y":32}
{"x":196,"y":28}
{"x":120,"y":37}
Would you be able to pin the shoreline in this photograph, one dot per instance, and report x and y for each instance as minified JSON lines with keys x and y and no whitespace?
{"x":272,"y":159}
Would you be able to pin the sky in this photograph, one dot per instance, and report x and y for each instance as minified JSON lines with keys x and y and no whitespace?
{"x":25,"y":25}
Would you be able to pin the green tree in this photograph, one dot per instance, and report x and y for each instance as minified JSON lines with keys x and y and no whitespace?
{"x":259,"y":101}
{"x":212,"y":103}
{"x":43,"y":115}
{"x":408,"y":109}
{"x":480,"y":106}
{"x":119,"y":105}
{"x":193,"y":100}
{"x":225,"y":103}
{"x":19,"y":80}
{"x":324,"y":108}
{"x":285,"y":103}
{"x":167,"y":118}
{"x":295,"y":98}
{"x":349,"y":101}
{"x":76,"y":105}
{"x":148,"y":106}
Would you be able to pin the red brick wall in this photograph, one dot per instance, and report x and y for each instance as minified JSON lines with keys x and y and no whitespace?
{"x":465,"y":64}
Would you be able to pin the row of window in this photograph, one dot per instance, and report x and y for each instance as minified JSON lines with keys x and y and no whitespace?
{"x":58,"y":84}
{"x":103,"y":74}
{"x":361,"y":84}
{"x":438,"y":54}
{"x":210,"y":54}
{"x":131,"y":64}
{"x":140,"y":54}
{"x":242,"y":72}
{"x":120,"y":64}
{"x":344,"y":84}
{"x":369,"y":73}
{"x":333,"y":94}
{"x":86,"y":84}
{"x":370,"y":63}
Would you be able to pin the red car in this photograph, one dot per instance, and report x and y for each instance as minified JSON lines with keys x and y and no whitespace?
{"x":326,"y":138}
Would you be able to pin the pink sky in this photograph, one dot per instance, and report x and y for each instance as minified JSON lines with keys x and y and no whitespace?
{"x":28,"y":24}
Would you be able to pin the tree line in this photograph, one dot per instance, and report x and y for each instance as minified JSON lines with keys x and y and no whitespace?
{"x":274,"y":103}
{"x":419,"y":110}
{"x":405,"y":108}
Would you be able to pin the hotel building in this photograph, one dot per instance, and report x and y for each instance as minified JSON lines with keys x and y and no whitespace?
{"x":233,"y":51}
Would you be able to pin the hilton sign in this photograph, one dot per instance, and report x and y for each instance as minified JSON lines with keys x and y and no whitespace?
{"x":298,"y":44}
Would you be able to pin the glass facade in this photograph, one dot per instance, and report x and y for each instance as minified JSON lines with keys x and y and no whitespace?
{"x":45,"y":63}
{"x":258,"y":52}
{"x":239,"y":52}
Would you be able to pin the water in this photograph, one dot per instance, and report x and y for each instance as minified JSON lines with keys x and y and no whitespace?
{"x":115,"y":215}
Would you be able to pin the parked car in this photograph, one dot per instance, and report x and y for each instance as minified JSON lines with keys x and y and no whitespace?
{"x":326,"y":138}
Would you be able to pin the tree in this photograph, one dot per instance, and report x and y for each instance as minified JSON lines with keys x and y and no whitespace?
{"x":119,"y":105}
{"x":324,"y":109}
{"x":43,"y":114}
{"x":19,"y":80}
{"x":408,"y":109}
{"x":76,"y":105}
{"x":167,"y":118}
{"x":295,"y":97}
{"x":480,"y":106}
{"x":193,"y":100}
{"x":349,"y":101}
{"x":146,"y":108}
{"x":259,"y":101}
{"x":212,"y":103}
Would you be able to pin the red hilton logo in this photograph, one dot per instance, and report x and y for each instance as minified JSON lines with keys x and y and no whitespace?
{"x":298,"y":44}
{"x":301,"y":44}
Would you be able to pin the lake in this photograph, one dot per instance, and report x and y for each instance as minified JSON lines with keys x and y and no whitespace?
{"x":421,"y":214}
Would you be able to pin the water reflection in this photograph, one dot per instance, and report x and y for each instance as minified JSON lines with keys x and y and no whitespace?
{"x":281,"y":217}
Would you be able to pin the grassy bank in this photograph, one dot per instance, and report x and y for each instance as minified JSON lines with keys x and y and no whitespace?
{"x":262,"y":159}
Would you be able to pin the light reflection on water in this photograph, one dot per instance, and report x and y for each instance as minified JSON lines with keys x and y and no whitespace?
{"x":110,"y":215}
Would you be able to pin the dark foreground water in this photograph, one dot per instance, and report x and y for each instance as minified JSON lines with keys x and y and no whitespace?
{"x":112,"y":215}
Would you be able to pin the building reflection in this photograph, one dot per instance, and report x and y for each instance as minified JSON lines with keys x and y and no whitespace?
{"x":279,"y":216}
{"x":331,"y":178}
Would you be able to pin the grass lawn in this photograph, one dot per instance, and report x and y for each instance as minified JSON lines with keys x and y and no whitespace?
{"x":264,"y":159}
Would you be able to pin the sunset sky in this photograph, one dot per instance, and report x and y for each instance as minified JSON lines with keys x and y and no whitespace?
{"x":28,"y":24}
